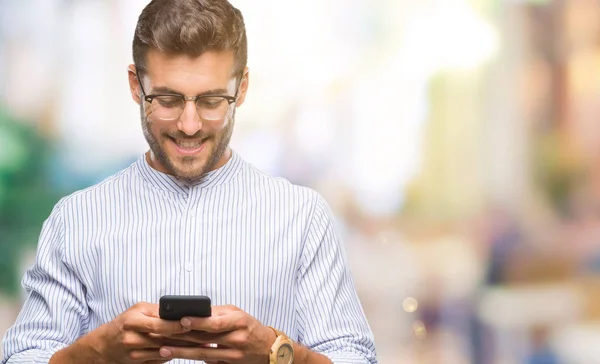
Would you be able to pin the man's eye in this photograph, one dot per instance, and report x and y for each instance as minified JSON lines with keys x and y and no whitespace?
{"x":168,"y":101}
{"x":210,"y":103}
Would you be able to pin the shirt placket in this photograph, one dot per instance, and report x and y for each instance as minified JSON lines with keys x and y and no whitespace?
{"x":189,"y":263}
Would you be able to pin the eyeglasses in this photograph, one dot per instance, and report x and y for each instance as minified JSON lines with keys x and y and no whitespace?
{"x":169,"y":107}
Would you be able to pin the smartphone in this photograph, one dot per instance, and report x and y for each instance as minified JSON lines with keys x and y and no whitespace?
{"x":175,"y":307}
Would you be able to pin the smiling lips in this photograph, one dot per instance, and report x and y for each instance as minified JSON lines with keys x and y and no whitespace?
{"x":188,"y":147}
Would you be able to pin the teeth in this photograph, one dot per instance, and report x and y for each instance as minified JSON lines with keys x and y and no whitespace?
{"x":188,"y":144}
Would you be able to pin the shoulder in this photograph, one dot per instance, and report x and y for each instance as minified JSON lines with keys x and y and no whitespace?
{"x":77,"y":206}
{"x":279,"y":188}
{"x":118,"y":184}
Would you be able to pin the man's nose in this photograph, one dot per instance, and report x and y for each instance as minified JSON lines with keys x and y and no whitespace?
{"x":189,"y":121}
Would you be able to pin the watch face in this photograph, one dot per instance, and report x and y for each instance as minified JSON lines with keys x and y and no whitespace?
{"x":285,"y":354}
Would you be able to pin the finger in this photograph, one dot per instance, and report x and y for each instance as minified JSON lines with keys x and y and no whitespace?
{"x":212,"y":340}
{"x":200,"y":337}
{"x":169,"y":340}
{"x":135,"y":340}
{"x":201,"y":353}
{"x":231,"y":339}
{"x":145,"y":355}
{"x":235,"y":320}
{"x":223,"y":310}
{"x":148,"y":309}
{"x":221,"y":340}
{"x":142,"y":323}
{"x":181,"y":343}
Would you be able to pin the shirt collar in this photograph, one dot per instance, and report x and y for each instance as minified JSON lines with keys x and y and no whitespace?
{"x":170,"y":183}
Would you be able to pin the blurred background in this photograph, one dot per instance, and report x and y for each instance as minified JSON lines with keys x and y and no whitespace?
{"x":456,"y":141}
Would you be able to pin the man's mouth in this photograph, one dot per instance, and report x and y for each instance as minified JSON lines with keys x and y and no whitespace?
{"x":188,"y":147}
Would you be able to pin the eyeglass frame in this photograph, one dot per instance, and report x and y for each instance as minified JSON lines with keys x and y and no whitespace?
{"x":149,"y":98}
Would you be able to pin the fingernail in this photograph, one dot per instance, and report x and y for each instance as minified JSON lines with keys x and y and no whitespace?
{"x":165,"y":353}
{"x":186,"y":323}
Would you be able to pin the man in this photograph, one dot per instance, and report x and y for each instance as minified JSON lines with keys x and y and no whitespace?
{"x":190,"y":217}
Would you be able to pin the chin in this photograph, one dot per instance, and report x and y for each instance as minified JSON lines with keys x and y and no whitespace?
{"x":189,"y":166}
{"x":185,"y":172}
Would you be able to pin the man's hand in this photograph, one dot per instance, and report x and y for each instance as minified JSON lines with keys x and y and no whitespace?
{"x":240,"y":338}
{"x":133,"y":337}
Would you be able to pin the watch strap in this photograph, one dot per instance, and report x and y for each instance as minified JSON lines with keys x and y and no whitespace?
{"x":277,"y":332}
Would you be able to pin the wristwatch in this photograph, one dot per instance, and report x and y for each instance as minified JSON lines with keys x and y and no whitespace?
{"x":282,"y":351}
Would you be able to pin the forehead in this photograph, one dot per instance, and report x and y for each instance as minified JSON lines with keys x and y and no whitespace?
{"x":190,"y":75}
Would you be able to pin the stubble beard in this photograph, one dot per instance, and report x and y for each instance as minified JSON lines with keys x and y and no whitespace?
{"x":219,"y":142}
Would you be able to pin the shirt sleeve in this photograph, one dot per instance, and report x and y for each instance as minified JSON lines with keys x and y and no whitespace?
{"x":55,"y":312}
{"x":331,"y":319}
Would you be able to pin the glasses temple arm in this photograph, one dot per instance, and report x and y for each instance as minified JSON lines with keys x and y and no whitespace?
{"x":137,"y":75}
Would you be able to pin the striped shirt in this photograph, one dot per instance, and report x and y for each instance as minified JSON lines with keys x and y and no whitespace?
{"x":238,"y":236}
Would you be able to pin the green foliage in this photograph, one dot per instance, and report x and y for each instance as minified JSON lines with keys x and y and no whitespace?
{"x":26,"y":198}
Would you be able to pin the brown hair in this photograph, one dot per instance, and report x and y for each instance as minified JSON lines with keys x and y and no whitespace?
{"x":190,"y":27}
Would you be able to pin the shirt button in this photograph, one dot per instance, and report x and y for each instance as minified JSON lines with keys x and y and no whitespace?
{"x":189,"y":267}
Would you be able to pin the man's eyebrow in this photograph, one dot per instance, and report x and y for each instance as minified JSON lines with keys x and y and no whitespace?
{"x":168,"y":90}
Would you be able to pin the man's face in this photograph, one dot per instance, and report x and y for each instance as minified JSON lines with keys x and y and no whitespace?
{"x":188,"y":147}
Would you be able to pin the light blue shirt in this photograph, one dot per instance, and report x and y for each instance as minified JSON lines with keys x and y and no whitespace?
{"x":238,"y":236}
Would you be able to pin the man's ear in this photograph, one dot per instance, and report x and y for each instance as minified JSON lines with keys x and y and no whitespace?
{"x":134,"y":84}
{"x":243,"y":87}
